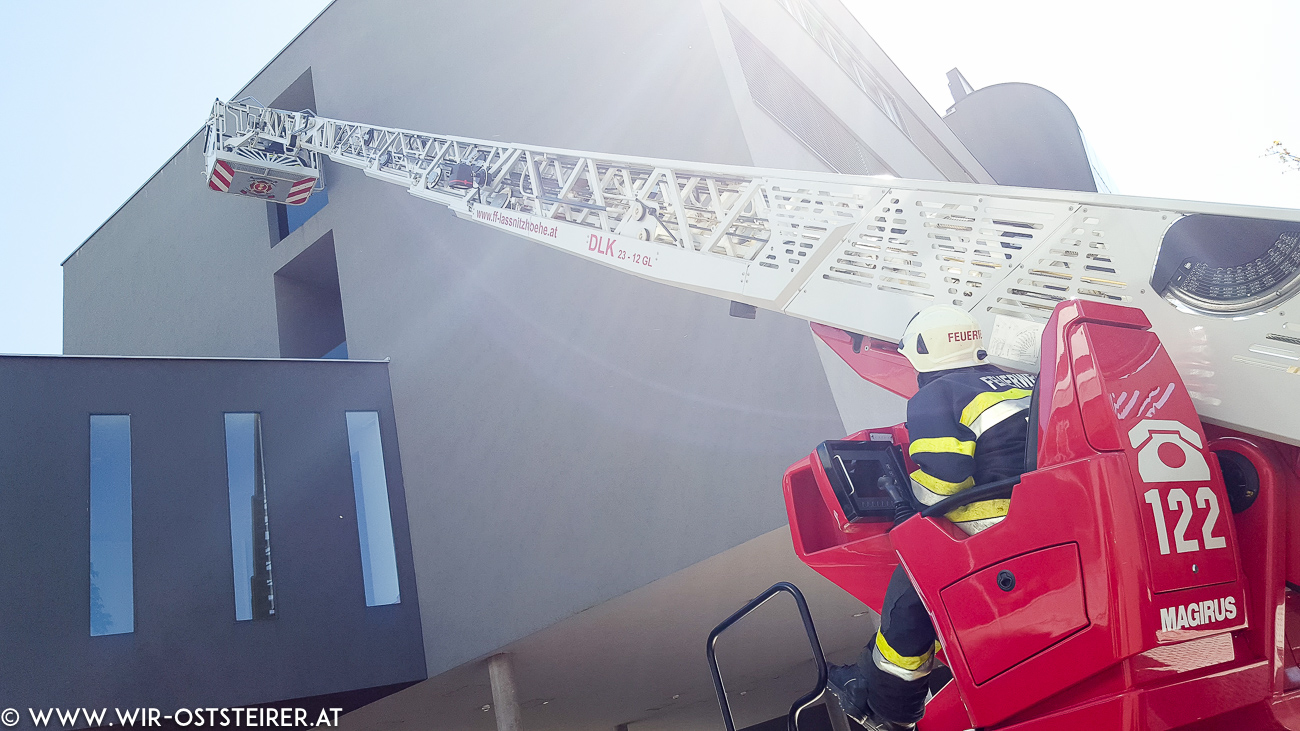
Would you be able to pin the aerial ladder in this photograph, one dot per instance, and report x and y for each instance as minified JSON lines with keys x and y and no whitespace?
{"x":1143,"y":577}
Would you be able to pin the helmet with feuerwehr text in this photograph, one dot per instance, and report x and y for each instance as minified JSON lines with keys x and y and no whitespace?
{"x":940,"y":338}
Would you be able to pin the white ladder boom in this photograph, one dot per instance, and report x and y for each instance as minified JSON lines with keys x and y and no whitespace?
{"x":860,"y":253}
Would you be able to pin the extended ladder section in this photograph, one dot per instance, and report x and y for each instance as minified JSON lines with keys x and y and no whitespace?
{"x":858,"y":253}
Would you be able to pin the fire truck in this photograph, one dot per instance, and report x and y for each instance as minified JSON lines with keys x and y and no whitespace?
{"x":1145,"y":576}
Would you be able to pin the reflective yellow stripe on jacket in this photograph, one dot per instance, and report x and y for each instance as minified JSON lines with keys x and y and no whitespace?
{"x":989,"y":409}
{"x":941,"y":445}
{"x":938,"y":489}
{"x":971,"y":518}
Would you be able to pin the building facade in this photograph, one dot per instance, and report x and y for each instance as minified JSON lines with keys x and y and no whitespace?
{"x":591,"y":462}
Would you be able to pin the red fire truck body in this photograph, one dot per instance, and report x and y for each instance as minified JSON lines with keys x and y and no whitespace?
{"x":1122,"y":591}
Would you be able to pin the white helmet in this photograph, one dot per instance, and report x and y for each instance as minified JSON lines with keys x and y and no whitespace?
{"x":940,"y":337}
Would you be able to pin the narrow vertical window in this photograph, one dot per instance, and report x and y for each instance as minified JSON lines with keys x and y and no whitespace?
{"x":374,"y":522}
{"x":250,"y":528}
{"x":112,"y":588}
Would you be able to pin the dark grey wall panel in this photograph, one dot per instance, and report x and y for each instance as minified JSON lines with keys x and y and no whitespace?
{"x":187,"y":648}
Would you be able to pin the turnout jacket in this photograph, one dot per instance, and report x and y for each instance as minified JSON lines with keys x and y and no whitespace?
{"x":967,"y":427}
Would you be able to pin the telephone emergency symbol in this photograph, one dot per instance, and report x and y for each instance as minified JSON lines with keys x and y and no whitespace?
{"x":1168,"y":451}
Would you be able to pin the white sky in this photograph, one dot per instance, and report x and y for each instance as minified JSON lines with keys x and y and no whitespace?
{"x":1179,"y":99}
{"x":95,"y":97}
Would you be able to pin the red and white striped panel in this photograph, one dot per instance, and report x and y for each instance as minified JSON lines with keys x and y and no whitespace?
{"x":222,"y":175}
{"x":300,"y":192}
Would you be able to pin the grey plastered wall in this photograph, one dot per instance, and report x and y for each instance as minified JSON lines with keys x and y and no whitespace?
{"x":177,"y":271}
{"x":569,"y":433}
{"x":187,"y":648}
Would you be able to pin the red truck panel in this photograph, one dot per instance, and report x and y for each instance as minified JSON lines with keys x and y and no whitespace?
{"x":1016,"y":608}
{"x":1133,"y":400}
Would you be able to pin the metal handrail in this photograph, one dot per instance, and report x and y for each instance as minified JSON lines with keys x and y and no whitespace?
{"x":804,"y":701}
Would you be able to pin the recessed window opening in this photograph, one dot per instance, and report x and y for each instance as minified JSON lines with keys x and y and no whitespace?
{"x":283,"y":219}
{"x":374,"y":521}
{"x":112,"y":586}
{"x":286,"y":219}
{"x":250,"y":527}
{"x":340,"y":352}
{"x":308,"y":305}
{"x":296,"y":216}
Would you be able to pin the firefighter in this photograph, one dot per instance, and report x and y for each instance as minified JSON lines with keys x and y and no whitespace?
{"x":967,"y":426}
